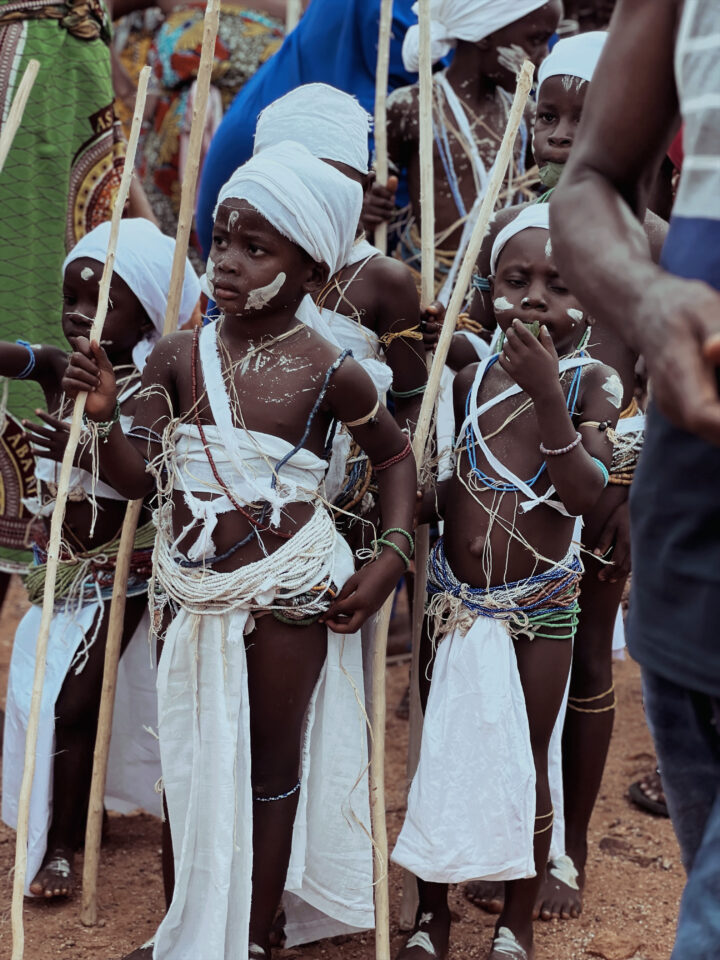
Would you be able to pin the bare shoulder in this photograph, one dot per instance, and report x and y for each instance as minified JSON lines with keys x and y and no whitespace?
{"x":168,"y":357}
{"x":656,"y":231}
{"x":352,"y":394}
{"x":403,"y":111}
{"x":390,"y":277}
{"x":597,"y":376}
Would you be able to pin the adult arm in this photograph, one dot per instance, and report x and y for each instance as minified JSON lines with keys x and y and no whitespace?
{"x":598,"y":208}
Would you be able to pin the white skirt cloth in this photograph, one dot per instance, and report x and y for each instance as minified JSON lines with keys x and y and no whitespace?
{"x":471,"y":808}
{"x":204,"y":725}
{"x":134,"y":762}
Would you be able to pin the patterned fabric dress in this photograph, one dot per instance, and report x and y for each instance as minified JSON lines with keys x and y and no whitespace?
{"x":246,"y":39}
{"x":59,"y":181}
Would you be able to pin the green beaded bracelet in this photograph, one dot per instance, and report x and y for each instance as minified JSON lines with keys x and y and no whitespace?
{"x":103,"y":428}
{"x":406,"y":394}
{"x":395,"y":547}
{"x":404,"y":533}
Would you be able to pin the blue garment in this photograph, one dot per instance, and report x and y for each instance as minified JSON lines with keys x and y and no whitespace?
{"x":685,"y":727}
{"x":674,"y":624}
{"x":336,"y":43}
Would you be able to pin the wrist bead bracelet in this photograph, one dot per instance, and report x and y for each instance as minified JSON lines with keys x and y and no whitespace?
{"x":557,"y":453}
{"x":404,"y":533}
{"x":103,"y":428}
{"x":380,"y":542}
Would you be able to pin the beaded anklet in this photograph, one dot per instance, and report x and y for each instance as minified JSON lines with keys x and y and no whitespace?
{"x":280,"y":796}
{"x":545,"y":816}
{"x":573,"y":701}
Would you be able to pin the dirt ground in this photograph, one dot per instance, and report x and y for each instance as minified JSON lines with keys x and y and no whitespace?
{"x":634,"y":885}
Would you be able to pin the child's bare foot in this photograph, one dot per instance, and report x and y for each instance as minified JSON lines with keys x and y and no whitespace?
{"x":488,"y":895}
{"x":506,"y":946}
{"x":55,"y":876}
{"x":561,"y":893}
{"x":430,"y":938}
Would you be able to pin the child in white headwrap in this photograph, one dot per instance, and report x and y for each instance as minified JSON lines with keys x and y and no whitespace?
{"x":563,"y":82}
{"x":66,"y":738}
{"x":490,"y":40}
{"x":262,"y":742}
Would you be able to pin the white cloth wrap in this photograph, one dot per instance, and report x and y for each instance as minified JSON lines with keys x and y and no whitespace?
{"x":143,"y":259}
{"x":471,"y":807}
{"x":306,"y":200}
{"x":453,"y":20}
{"x":537,"y":215}
{"x":134,"y":761}
{"x":573,"y":57}
{"x":204,"y":724}
{"x":332,"y":124}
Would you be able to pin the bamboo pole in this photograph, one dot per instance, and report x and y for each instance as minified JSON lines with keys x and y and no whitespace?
{"x":377,"y":781}
{"x":382,"y":72}
{"x":53,"y":554}
{"x":15,"y":114}
{"x":93,"y":835}
{"x":409,"y":902}
{"x":293,"y":12}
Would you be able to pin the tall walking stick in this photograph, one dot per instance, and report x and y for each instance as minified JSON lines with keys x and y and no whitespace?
{"x":93,"y":834}
{"x":293,"y":10}
{"x":53,"y":553}
{"x":408,"y":905}
{"x":382,"y":72}
{"x":377,"y":781}
{"x":15,"y":114}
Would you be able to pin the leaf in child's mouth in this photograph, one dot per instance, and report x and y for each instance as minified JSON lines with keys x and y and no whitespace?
{"x":533,"y":327}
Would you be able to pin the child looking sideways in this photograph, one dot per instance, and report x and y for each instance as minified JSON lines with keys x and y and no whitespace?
{"x":95,"y":511}
{"x":563,"y":82}
{"x":504,"y":582}
{"x":261,"y":668}
{"x":471,"y":102}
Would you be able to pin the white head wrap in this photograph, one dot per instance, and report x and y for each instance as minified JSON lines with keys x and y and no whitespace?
{"x":308,"y":201}
{"x":143,"y":259}
{"x":330,"y":123}
{"x":537,"y":215}
{"x":573,"y":57}
{"x":453,"y":20}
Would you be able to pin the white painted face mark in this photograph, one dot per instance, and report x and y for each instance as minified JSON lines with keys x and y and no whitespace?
{"x":502,"y":303}
{"x":548,"y":248}
{"x":574,"y":314}
{"x":614,"y":389}
{"x":87,"y":273}
{"x":210,"y":274}
{"x":233,"y":219}
{"x":263,"y":295}
{"x":512,"y":57}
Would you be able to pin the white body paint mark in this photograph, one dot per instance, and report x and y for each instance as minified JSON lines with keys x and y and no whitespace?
{"x":233,"y":218}
{"x":502,"y":303}
{"x":86,"y":273}
{"x":548,"y":250}
{"x":210,"y":274}
{"x":564,"y":870}
{"x":512,"y":57}
{"x":575,"y":314}
{"x":614,"y":389}
{"x":263,"y":295}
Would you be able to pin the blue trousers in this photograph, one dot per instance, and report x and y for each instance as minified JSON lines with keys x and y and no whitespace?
{"x":685,"y":725}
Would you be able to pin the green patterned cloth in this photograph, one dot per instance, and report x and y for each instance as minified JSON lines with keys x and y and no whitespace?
{"x":59,"y":181}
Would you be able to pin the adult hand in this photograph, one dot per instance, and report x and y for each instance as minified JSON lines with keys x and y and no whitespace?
{"x":678,"y":331}
{"x":615,"y":536}
{"x":379,"y":204}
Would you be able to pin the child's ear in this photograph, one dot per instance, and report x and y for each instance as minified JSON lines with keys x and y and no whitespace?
{"x":317,"y":277}
{"x":146,"y":326}
{"x":589,"y":321}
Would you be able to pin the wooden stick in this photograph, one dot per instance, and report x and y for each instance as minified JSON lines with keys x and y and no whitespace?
{"x":524,"y":83}
{"x":409,"y":902}
{"x":382,"y":73}
{"x":377,"y":783}
{"x":293,"y":11}
{"x":53,"y":554}
{"x":15,"y":114}
{"x":93,"y":835}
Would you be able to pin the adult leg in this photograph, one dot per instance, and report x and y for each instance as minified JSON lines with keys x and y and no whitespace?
{"x":586,"y":739}
{"x":75,"y":729}
{"x":543,"y":665}
{"x":684,"y":725}
{"x":284,"y":663}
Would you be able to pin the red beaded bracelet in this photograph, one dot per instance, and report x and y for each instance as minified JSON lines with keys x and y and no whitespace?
{"x":405,"y":452}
